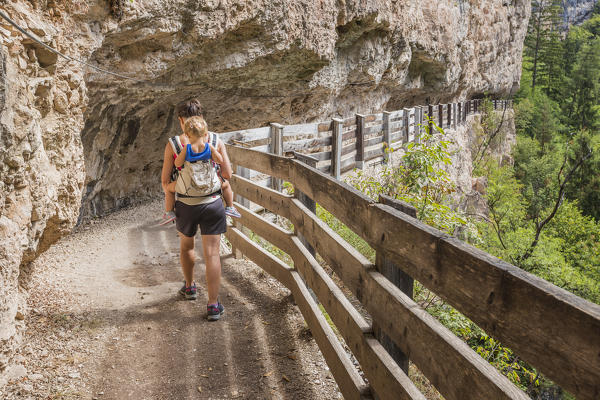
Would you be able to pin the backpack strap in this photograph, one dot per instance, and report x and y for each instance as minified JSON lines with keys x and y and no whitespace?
{"x":175,"y":144}
{"x":214,"y":139}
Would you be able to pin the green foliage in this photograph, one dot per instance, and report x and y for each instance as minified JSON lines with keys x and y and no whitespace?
{"x":585,"y":185}
{"x":419,"y":180}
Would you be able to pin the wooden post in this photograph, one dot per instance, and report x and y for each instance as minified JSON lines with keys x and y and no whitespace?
{"x":418,"y":122}
{"x":336,"y":148}
{"x":399,"y":278}
{"x":360,"y":141}
{"x":430,"y":117}
{"x":405,"y":121}
{"x":387,"y":145}
{"x":276,"y":147}
{"x":244,"y":173}
{"x":459,"y":112}
{"x":310,"y":204}
{"x":454,"y":114}
{"x":449,"y":111}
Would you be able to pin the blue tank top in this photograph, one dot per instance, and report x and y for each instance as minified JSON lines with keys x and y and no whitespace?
{"x":192,"y":156}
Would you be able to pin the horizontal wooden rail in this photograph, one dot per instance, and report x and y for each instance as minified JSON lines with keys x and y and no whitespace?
{"x":384,"y":375}
{"x":402,"y":126}
{"x":526,"y":313}
{"x":349,"y":380}
{"x":417,"y":334}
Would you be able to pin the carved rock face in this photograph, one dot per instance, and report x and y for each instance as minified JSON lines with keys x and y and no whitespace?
{"x":256,"y":62}
{"x":67,"y":131}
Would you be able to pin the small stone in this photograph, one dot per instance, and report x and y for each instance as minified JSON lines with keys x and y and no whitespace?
{"x":27,"y":387}
{"x":19,"y":316}
{"x":60,"y":103}
{"x":74,"y":375}
{"x":35,"y":377}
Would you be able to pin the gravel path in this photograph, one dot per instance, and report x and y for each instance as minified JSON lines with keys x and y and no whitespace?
{"x":105,"y":322}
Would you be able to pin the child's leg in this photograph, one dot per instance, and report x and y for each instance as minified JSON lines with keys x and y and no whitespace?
{"x":170,"y":197}
{"x":227,"y":193}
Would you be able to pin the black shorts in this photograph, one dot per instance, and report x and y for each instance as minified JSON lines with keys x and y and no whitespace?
{"x":210,"y":217}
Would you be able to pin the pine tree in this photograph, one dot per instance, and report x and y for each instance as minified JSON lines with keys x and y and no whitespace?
{"x":542,"y":37}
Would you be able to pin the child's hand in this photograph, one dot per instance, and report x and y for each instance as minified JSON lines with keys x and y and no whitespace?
{"x":215,"y":155}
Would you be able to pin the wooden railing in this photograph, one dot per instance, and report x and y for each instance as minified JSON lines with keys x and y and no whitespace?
{"x":550,"y":328}
{"x":340,"y":145}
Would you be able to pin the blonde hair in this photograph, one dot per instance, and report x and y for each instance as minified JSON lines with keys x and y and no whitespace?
{"x":195,"y":127}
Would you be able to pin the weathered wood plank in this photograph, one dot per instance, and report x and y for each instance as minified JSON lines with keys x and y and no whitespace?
{"x":500,"y":297}
{"x":394,"y":273}
{"x":245,"y":135}
{"x":417,"y":333}
{"x":467,"y":277}
{"x":385,"y":377}
{"x":351,"y":134}
{"x":373,"y":141}
{"x":321,"y":156}
{"x":336,"y":148}
{"x":349,"y":381}
{"x":307,"y":159}
{"x":266,"y":163}
{"x":371,"y":154}
{"x":272,"y":233}
{"x":271,"y":200}
{"x":386,"y":135}
{"x":347,"y":149}
{"x":373,"y":129}
{"x":301,"y":129}
{"x":306,"y":144}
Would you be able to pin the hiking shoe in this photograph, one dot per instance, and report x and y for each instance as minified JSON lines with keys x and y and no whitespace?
{"x":214,"y":311}
{"x":232,"y":212}
{"x":167,"y":217}
{"x":189,"y":292}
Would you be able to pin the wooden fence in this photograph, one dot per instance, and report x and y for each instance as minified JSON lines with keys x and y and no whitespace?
{"x":550,"y":328}
{"x":340,"y":145}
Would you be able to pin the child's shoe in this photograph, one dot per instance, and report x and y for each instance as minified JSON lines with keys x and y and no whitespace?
{"x":232,"y":212}
{"x":167,"y":217}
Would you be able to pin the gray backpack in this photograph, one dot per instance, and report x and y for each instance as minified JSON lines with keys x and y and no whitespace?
{"x":197,"y":179}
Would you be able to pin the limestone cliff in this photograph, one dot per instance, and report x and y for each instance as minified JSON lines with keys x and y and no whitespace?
{"x":68,"y":131}
{"x":576,"y":12}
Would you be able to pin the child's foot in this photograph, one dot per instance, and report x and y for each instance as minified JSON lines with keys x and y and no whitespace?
{"x":232,"y":212}
{"x":167,"y":217}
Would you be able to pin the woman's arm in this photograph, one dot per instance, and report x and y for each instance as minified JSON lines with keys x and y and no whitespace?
{"x":165,"y":175}
{"x":215,"y":155}
{"x":181,"y":157}
{"x":226,"y":170}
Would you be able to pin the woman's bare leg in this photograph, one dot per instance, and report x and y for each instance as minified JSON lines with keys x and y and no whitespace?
{"x":212,"y":259}
{"x":187,"y":256}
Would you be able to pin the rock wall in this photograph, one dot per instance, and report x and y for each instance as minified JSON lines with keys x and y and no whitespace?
{"x":69,"y":132}
{"x":258,"y":61}
{"x":42,"y":99}
{"x":577,"y":11}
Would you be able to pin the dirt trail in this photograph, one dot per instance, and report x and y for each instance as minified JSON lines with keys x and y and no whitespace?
{"x":106,"y":322}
